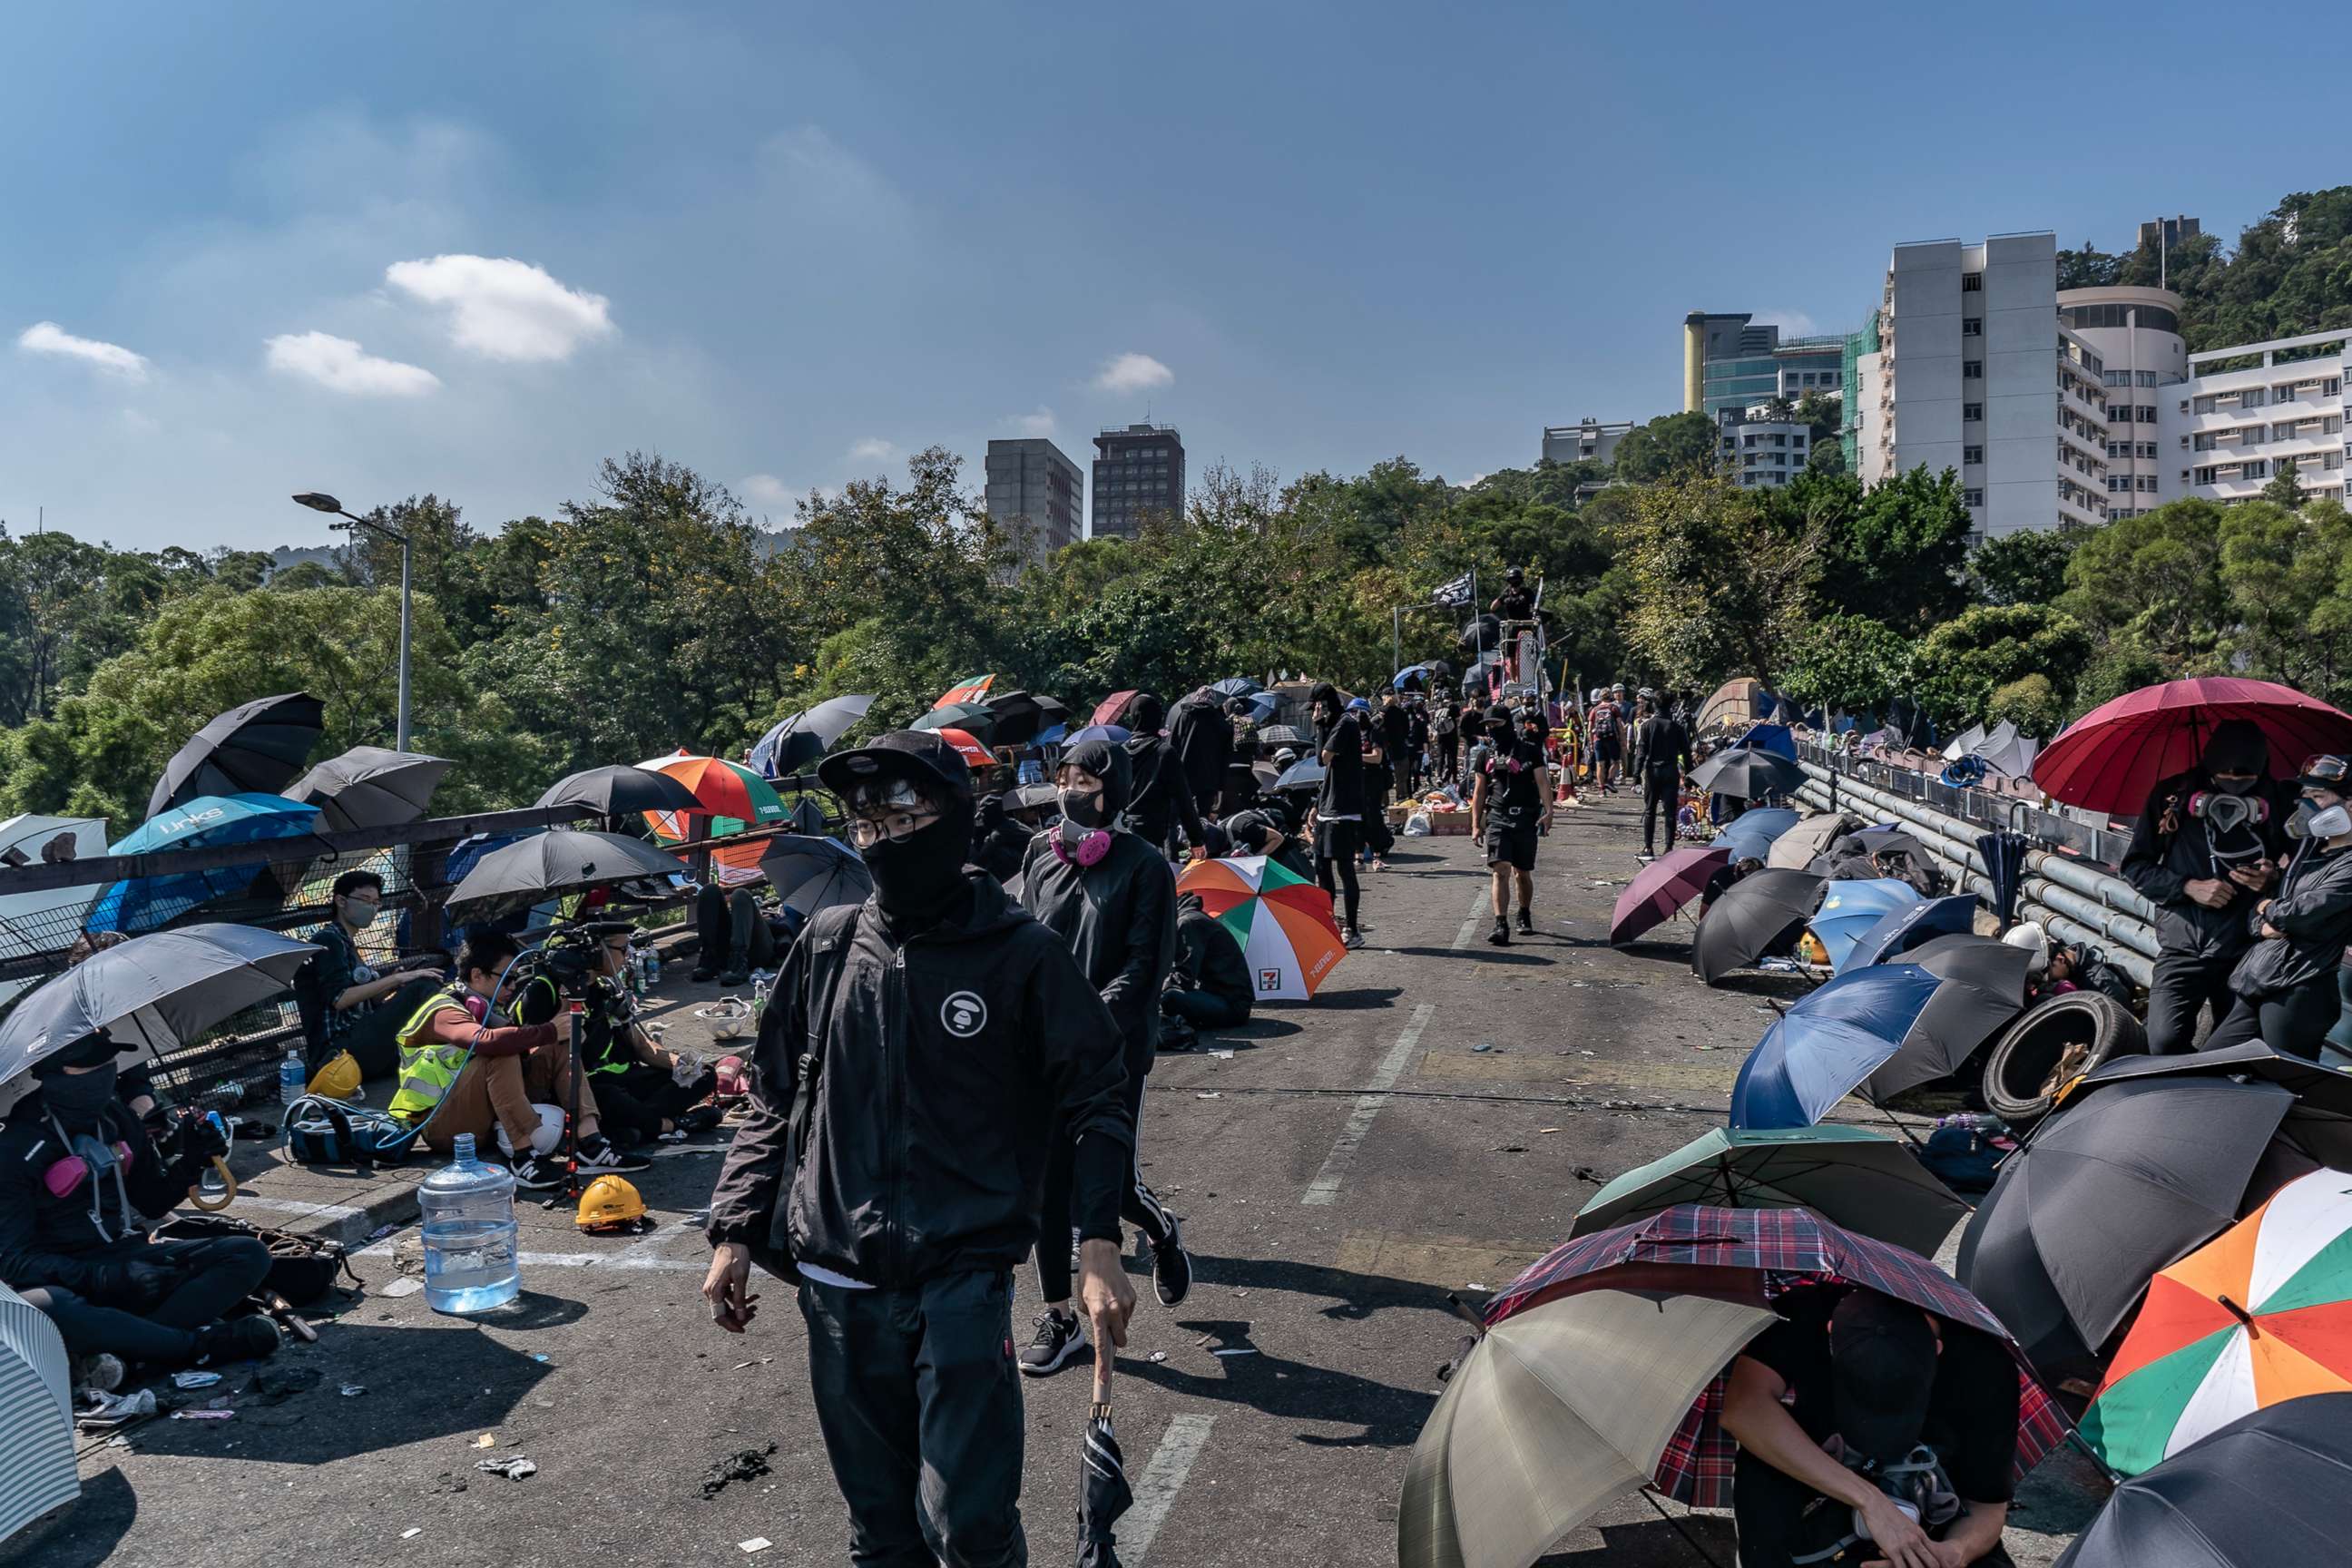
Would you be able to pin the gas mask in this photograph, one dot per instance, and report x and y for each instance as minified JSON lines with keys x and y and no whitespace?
{"x":2312,"y":820}
{"x":1084,"y":837}
{"x":2230,"y":809}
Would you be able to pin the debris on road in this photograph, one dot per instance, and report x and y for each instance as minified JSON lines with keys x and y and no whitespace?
{"x":204,"y":1415}
{"x":1483,"y":1046}
{"x":352,"y":1390}
{"x":743,"y":1465}
{"x":194,"y":1379}
{"x":1236,"y":1350}
{"x":115,"y":1409}
{"x":757,"y":1543}
{"x":1510,"y":1148}
{"x":516,"y":1469}
{"x":487,"y":1440}
{"x":1158,"y":1356}
{"x":412,"y":1532}
{"x":1210,"y":1094}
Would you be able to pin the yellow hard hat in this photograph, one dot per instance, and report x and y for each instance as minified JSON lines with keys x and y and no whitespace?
{"x":339,"y":1079}
{"x":610,"y":1203}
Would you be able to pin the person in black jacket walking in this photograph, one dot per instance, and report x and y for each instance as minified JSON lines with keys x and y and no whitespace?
{"x":1162,"y":799}
{"x":1110,"y":897}
{"x":1660,"y":758}
{"x":919,"y":1057}
{"x":1340,"y":805}
{"x":2202,"y":850}
{"x":2287,"y":984}
{"x":1508,"y":803}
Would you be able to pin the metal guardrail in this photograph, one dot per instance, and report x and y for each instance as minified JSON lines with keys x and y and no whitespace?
{"x":1988,"y":809}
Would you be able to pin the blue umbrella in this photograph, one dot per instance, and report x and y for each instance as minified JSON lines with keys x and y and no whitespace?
{"x":1234,"y":686}
{"x":798,"y":740}
{"x":1752,"y":833}
{"x":1058,"y":735}
{"x":1410,"y":676}
{"x":1263,"y":706}
{"x":1116,"y":734}
{"x":1899,"y":931}
{"x":1853,"y":908}
{"x":145,"y":903}
{"x":1827,"y":1044}
{"x":1306,"y":774}
{"x":1773,"y":738}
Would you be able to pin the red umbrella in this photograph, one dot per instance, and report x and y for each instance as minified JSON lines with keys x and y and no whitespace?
{"x":1108,"y":710}
{"x":2112,"y":758}
{"x":1662,"y":887}
{"x":971,"y":749}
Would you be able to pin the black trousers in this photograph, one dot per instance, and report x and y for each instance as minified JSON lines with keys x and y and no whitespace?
{"x":919,"y":1402}
{"x":735,"y":934}
{"x":2183,"y":985}
{"x":1336,"y":845}
{"x":370,"y":1037}
{"x":1138,"y":1205}
{"x":2296,"y":1023}
{"x":215,"y":1274}
{"x":1660,"y":801}
{"x":633,"y":1103}
{"x":1203,"y":1009}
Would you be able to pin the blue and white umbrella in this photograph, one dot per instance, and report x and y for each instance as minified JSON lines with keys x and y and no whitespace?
{"x":1851,"y":907}
{"x":147,"y":903}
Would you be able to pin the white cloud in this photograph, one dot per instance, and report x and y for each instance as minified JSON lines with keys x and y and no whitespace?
{"x":1038,"y":423}
{"x":340,"y":364}
{"x":139,"y":424}
{"x":502,"y":308}
{"x":48,"y":337}
{"x":1792,"y":323}
{"x":1133,"y":373}
{"x":766,"y":490}
{"x":873,"y":449}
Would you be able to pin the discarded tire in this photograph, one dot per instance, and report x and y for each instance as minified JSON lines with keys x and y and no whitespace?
{"x":2058,"y":1040}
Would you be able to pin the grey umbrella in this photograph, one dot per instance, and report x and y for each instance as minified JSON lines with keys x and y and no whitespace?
{"x":2107,"y":1191}
{"x":561,"y":861}
{"x":811,"y":874}
{"x":1284,"y":735}
{"x":618,"y":791}
{"x":368,"y":786}
{"x":1797,"y":848}
{"x":1983,"y":988}
{"x":2321,"y":1122}
{"x":798,"y":740}
{"x":1753,"y":916}
{"x":256,"y":749}
{"x":1749,"y":774}
{"x":151,"y":993}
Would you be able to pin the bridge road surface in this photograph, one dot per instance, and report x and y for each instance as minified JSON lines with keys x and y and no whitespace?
{"x":1328,"y":1225}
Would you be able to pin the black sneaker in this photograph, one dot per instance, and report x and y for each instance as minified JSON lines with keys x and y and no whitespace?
{"x":704,"y":974}
{"x":1172,"y":1266}
{"x":1351,"y":938}
{"x":239,"y":1339}
{"x":1050,"y":1348}
{"x":1526,"y":923}
{"x":537,"y":1172}
{"x":701,"y":1118}
{"x":598,"y":1157}
{"x":1501,"y":935}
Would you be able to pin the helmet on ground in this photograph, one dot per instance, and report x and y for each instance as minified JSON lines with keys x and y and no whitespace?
{"x":339,"y":1079}
{"x":610,"y":1203}
{"x":2030,"y":936}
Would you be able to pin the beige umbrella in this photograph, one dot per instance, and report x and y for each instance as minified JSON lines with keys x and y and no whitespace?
{"x":1796,"y":849}
{"x":1555,"y":1411}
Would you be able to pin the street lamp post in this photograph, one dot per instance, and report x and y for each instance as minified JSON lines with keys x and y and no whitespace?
{"x":319,"y":502}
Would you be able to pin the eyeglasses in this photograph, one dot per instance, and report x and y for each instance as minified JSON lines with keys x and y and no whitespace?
{"x":897,"y":826}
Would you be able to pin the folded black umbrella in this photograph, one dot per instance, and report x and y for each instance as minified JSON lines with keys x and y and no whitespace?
{"x":368,"y":786}
{"x":1103,"y":1491}
{"x":255,"y":748}
{"x":1756,"y":915}
{"x":1747,"y":773}
{"x":2108,"y":1190}
{"x":619,"y":790}
{"x":2004,"y":858}
{"x":1982,"y":989}
{"x":561,"y":861}
{"x":2270,"y":1488}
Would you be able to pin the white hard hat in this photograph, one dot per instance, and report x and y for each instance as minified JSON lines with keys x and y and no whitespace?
{"x":2029,"y":935}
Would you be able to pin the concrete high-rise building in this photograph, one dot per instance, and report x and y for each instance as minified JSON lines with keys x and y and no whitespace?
{"x":1974,"y":373}
{"x":1759,"y":451}
{"x":1037,"y":495}
{"x":2137,"y":332}
{"x":2226,"y":429}
{"x":1729,"y":362}
{"x":1138,"y":475}
{"x":1588,"y":441}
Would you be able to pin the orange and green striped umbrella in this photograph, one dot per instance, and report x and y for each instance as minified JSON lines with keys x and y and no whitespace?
{"x":2260,"y":1314}
{"x":969,"y":690}
{"x":735,"y":798}
{"x":1283,"y":922}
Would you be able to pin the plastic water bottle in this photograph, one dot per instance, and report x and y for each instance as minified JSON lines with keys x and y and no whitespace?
{"x":291,"y":1083}
{"x":471,"y":1262}
{"x":653,"y":968}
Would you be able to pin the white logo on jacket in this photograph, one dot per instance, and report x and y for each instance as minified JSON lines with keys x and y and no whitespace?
{"x":963,"y":1014}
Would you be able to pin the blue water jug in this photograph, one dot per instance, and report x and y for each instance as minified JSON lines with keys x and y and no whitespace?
{"x":471,"y":1244}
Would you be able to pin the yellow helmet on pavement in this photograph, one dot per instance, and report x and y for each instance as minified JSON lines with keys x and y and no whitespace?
{"x":610,"y":1203}
{"x":339,"y":1079}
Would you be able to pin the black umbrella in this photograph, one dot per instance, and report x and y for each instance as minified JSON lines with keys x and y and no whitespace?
{"x":561,"y":861}
{"x":2321,"y":1122}
{"x":368,"y":786}
{"x":256,"y":749}
{"x":974,"y":719}
{"x":1305,"y":774}
{"x":1886,"y":841}
{"x":1103,"y":1491}
{"x":1019,"y":717}
{"x":2004,"y":858}
{"x":1234,"y":686}
{"x":1755,"y":915}
{"x":812,"y":874}
{"x":618,"y":790}
{"x":797,"y":742}
{"x":2108,"y":1190}
{"x":2272,"y":1487}
{"x":1749,"y":774}
{"x":1983,"y":988}
{"x":807,"y":816}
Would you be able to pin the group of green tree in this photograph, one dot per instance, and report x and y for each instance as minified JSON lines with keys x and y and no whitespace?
{"x":2290,"y":273}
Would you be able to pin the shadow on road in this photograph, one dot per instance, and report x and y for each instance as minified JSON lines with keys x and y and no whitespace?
{"x":1363,"y":998}
{"x":1654,"y":1543}
{"x":1294,"y":1390}
{"x":1355,"y":1296}
{"x":1479,"y":950}
{"x":86,"y":1533}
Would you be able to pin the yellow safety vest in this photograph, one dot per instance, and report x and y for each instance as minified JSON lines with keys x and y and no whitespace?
{"x":428,"y":1066}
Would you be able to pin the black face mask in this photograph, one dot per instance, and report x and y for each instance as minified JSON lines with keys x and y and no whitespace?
{"x":915,"y":877}
{"x":1501,"y":733}
{"x":76,"y":1097}
{"x":1085,"y":808}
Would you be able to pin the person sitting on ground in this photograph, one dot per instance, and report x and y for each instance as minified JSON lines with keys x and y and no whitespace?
{"x":642,"y":1093}
{"x":1208,"y":988}
{"x":736,"y":936}
{"x":465,"y":1067}
{"x":79,"y":1180}
{"x":346,"y":1005}
{"x":1266,"y":829}
{"x":1834,"y":1403}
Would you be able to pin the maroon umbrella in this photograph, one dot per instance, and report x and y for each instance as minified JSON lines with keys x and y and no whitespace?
{"x":1112,"y":708}
{"x":2112,"y":758}
{"x":1752,"y":1255}
{"x":1663,"y":886}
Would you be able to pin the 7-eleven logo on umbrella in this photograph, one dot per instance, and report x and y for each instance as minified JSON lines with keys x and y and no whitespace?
{"x":1282,"y":921}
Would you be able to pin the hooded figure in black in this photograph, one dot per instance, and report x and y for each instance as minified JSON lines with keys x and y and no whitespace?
{"x":923,"y":1057}
{"x":1210,"y":986}
{"x":79,"y":1180}
{"x":1163,"y":795}
{"x":1340,"y":805}
{"x":1202,"y":734}
{"x":1109,"y":895}
{"x":2204,"y":849}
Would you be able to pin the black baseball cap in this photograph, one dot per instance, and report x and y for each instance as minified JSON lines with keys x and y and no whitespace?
{"x":920,"y":756}
{"x":1882,"y":1374}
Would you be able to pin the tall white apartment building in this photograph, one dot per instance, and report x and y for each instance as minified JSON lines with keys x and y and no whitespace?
{"x":1974,"y":373}
{"x":1758,"y":450}
{"x":2137,"y":332}
{"x":2244,"y":410}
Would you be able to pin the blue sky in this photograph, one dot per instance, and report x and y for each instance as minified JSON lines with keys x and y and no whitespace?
{"x":474,"y":250}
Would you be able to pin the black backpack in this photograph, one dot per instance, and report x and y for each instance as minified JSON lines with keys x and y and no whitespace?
{"x":302,"y":1268}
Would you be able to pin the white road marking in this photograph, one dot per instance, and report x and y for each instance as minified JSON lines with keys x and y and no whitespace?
{"x":1481,"y":908}
{"x":295,"y":1206}
{"x":1161,"y":1479}
{"x":1325,"y":1188}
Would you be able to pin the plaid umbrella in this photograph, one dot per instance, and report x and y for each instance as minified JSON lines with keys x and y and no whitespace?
{"x":1739,"y":1254}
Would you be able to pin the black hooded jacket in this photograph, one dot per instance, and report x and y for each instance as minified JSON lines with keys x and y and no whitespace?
{"x":948,"y":1059}
{"x":1208,"y":958}
{"x":2161,"y":864}
{"x":1202,"y":737}
{"x":1117,"y":915}
{"x":1340,"y":745}
{"x":998,"y":842}
{"x":46,"y":1239}
{"x":1161,"y":796}
{"x":2313,"y":910}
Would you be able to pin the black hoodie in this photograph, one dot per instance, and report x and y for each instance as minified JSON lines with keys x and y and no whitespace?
{"x":2161,"y":863}
{"x":46,"y":1239}
{"x":1202,"y":737}
{"x":1208,"y":958}
{"x":1161,"y":795}
{"x":1117,"y":915}
{"x":948,"y":1059}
